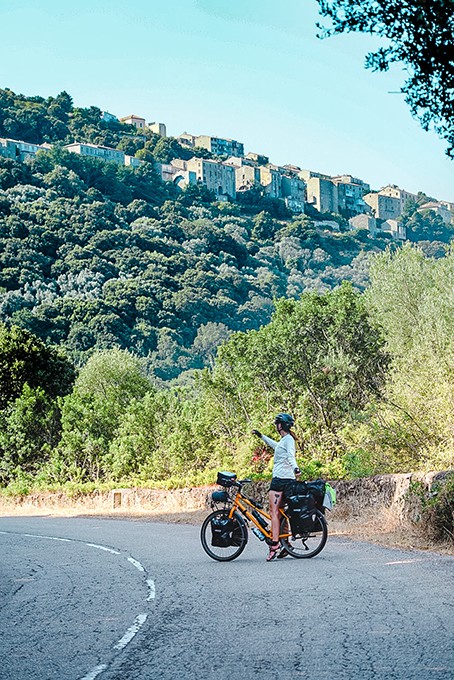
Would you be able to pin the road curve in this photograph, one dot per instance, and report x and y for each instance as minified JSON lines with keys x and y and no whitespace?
{"x":133,"y":600}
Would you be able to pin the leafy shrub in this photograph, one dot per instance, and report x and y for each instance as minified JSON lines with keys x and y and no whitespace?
{"x":436,"y":507}
{"x":20,"y":484}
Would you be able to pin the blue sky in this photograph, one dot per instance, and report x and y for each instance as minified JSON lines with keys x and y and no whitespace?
{"x":252,"y":70}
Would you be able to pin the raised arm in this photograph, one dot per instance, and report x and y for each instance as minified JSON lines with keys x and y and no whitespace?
{"x":268,"y":441}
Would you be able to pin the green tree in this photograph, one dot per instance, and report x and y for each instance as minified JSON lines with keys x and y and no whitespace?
{"x":130,"y":145}
{"x":146,"y":155}
{"x":168,"y":148}
{"x":13,"y":173}
{"x":104,"y":389}
{"x":417,"y":35}
{"x":32,"y":376}
{"x":65,"y":182}
{"x":412,"y":296}
{"x":29,"y":430}
{"x":264,"y":226}
{"x":139,"y":443}
{"x":209,"y":337}
{"x":169,"y":434}
{"x":26,"y":359}
{"x":196,"y":194}
{"x":320,"y":358}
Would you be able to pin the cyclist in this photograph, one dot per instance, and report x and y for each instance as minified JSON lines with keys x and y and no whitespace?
{"x":285,"y":470}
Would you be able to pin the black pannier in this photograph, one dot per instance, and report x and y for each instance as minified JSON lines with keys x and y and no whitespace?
{"x":300,"y":501}
{"x":226,"y":478}
{"x":305,"y":522}
{"x":315,"y":489}
{"x":301,"y":510}
{"x":220,"y":496}
{"x":225,"y":532}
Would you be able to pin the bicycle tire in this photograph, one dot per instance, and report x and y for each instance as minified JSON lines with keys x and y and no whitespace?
{"x":230,"y":552}
{"x":308,"y":544}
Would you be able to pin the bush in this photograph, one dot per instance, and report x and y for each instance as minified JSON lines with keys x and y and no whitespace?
{"x":20,"y":485}
{"x":436,"y":507}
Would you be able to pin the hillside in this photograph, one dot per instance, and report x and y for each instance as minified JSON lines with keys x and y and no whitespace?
{"x":95,"y":256}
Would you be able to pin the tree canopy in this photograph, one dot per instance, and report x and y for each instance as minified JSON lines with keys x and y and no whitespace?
{"x":33,"y":376}
{"x":26,"y":359}
{"x":418,"y":35}
{"x":368,"y":377}
{"x":98,"y":256}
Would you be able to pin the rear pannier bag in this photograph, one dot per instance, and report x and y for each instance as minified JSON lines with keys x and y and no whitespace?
{"x":306,"y":523}
{"x":225,"y":532}
{"x":301,"y":512}
{"x":315,"y":489}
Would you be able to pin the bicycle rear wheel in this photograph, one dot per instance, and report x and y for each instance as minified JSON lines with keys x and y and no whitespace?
{"x":308,"y":543}
{"x":238,"y":537}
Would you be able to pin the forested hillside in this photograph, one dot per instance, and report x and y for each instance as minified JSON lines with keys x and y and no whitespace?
{"x":145,"y":331}
{"x":95,"y":256}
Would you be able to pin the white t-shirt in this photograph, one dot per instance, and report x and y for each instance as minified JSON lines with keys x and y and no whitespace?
{"x":284,"y":456}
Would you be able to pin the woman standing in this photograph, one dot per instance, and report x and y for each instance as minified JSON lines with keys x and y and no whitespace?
{"x":285,"y":470}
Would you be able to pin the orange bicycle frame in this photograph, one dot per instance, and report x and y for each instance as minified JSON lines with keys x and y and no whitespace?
{"x":247,"y":507}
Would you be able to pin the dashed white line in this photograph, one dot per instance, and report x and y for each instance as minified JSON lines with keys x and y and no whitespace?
{"x":49,"y":538}
{"x":132,"y":630}
{"x":103,"y":547}
{"x":419,"y":559}
{"x":138,"y":621}
{"x":95,"y":672}
{"x":136,"y":564}
{"x":151,"y":590}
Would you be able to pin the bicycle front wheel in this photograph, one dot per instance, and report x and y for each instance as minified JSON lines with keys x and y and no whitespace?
{"x":233,"y":543}
{"x":308,"y":543}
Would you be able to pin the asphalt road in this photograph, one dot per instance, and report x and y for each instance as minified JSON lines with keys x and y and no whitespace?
{"x":133,"y":600}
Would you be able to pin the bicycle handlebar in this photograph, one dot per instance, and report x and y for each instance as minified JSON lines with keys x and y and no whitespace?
{"x":240,"y":482}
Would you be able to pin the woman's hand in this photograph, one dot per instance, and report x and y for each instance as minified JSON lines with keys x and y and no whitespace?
{"x":257,"y":433}
{"x":297,"y":472}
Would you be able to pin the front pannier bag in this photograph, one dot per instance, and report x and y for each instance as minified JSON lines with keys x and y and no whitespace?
{"x":225,"y":532}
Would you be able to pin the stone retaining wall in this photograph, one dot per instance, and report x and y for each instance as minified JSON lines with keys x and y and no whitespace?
{"x":356,"y":499}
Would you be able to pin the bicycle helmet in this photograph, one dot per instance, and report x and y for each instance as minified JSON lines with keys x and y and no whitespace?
{"x":284,"y":419}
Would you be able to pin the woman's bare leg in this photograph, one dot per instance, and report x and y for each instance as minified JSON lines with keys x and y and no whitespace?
{"x":275,"y":498}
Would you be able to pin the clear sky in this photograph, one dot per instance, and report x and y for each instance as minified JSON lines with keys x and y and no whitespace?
{"x":251,"y":70}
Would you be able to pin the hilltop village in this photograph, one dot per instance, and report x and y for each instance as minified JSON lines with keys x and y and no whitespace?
{"x":159,"y":294}
{"x":223,"y":167}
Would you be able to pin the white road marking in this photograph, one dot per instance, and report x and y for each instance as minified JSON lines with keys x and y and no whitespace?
{"x":132,"y":630}
{"x":151,"y":590}
{"x":138,"y":621}
{"x":417,"y":559}
{"x":103,"y":547}
{"x":136,"y":564}
{"x":49,"y":538}
{"x":95,"y":672}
